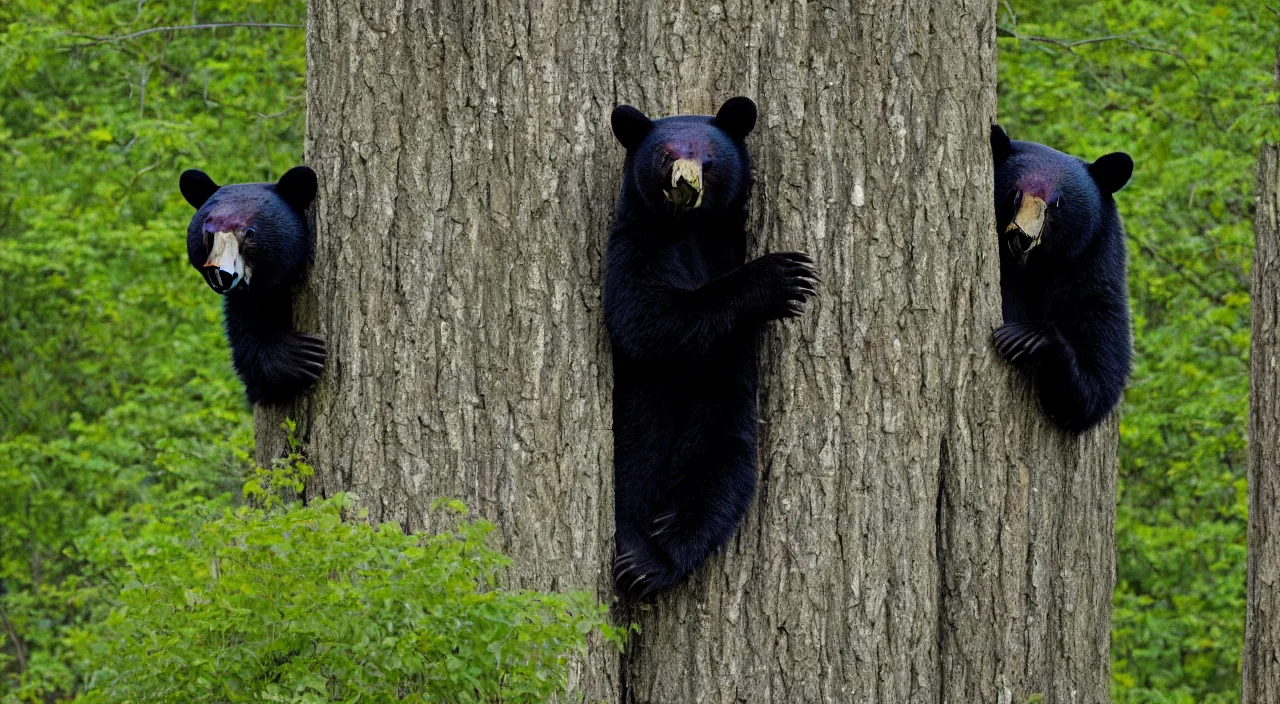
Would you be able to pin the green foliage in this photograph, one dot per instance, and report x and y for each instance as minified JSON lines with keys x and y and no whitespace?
{"x":290,"y":603}
{"x":1186,"y":88}
{"x":116,"y":392}
{"x":95,"y":302}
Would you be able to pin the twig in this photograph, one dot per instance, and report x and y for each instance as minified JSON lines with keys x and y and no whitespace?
{"x":20,"y":654}
{"x":1013,"y":16}
{"x":295,"y":99}
{"x":1167,"y":52}
{"x":176,"y":28}
{"x":145,"y":75}
{"x":1061,"y":43}
{"x":133,"y":181}
{"x":1177,"y":269}
{"x":274,"y":115}
{"x":1012,"y":33}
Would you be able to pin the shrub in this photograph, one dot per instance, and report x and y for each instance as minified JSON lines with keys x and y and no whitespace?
{"x":288,"y":602}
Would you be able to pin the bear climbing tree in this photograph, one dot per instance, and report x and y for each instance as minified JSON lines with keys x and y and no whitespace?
{"x":685,"y":310}
{"x":919,"y":532}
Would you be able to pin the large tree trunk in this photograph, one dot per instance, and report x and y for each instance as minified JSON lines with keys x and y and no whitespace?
{"x":1261,"y":661}
{"x":920,"y":533}
{"x":465,"y":183}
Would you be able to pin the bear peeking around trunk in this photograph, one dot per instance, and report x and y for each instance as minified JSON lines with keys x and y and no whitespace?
{"x":251,"y":244}
{"x":1063,"y":278}
{"x":684,"y":315}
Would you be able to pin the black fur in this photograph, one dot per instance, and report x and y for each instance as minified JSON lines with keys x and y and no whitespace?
{"x":684,"y":313}
{"x":1066,"y":302}
{"x":275,"y":362}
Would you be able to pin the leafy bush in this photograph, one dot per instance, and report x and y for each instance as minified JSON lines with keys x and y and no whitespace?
{"x":287,"y":602}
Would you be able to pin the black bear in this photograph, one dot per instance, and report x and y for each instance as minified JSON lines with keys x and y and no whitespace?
{"x":683,"y":313}
{"x":251,"y":243}
{"x":1063,"y":278}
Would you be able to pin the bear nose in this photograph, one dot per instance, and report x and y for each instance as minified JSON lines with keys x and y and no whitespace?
{"x":220,"y":281}
{"x":225,"y":266}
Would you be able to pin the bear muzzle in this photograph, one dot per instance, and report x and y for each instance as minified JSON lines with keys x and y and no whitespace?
{"x":686,"y":184}
{"x":1027,"y":229}
{"x":225,"y":268}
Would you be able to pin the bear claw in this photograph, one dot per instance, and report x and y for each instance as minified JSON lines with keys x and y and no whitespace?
{"x":1015,"y":341}
{"x":662,"y":524}
{"x":637,"y":576}
{"x":789,"y":280}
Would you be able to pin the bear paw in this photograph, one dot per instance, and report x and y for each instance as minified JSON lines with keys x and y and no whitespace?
{"x":639,"y":574}
{"x":307,"y":355}
{"x":286,"y":369}
{"x":1020,"y":342}
{"x":786,"y":280}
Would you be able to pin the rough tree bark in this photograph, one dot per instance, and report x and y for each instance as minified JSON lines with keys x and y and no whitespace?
{"x":1261,"y":660}
{"x":920,"y":533}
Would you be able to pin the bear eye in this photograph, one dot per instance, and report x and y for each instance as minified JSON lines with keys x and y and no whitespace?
{"x":249,"y":233}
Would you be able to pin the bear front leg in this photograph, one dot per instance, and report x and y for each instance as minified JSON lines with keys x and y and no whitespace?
{"x":1072,"y":396}
{"x":1020,"y":342}
{"x":777,"y":285}
{"x":280,"y":369}
{"x":649,"y":321}
{"x":275,"y":363}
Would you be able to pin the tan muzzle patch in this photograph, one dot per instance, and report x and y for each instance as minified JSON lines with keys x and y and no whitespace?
{"x":225,"y":267}
{"x":1027,"y":228}
{"x":686,"y":184}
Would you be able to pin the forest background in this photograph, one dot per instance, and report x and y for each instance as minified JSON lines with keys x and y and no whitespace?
{"x":125,"y":440}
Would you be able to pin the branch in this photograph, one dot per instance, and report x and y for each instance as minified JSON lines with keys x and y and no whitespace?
{"x":1012,"y":33}
{"x":1177,"y":269}
{"x":297,"y":101}
{"x":21,"y":656}
{"x":212,"y":25}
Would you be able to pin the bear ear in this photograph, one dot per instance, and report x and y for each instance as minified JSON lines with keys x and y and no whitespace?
{"x":630,"y":126}
{"x":737,"y":117}
{"x":196,"y":187}
{"x":1000,"y":145}
{"x":1112,"y":171}
{"x":297,"y":187}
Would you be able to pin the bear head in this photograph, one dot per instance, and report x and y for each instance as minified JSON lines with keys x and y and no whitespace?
{"x":1049,"y":202}
{"x":249,"y":235}
{"x":688,"y":163}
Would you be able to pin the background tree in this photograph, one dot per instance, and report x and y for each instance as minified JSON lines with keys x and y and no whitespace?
{"x":914,"y":512}
{"x":1261,"y":662}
